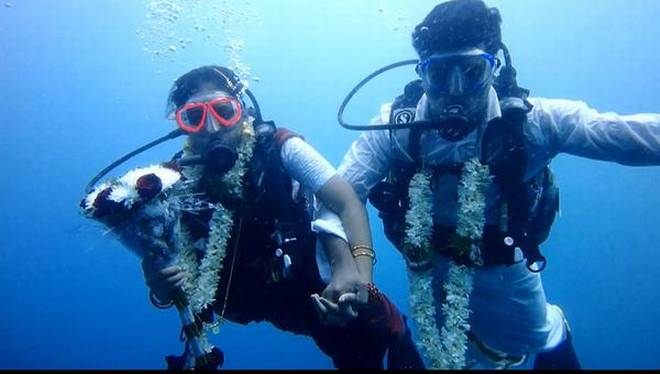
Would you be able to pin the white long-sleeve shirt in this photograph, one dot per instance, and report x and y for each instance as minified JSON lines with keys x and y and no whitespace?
{"x":510,"y":312}
{"x":305,"y":165}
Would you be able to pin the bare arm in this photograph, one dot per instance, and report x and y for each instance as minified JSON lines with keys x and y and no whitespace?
{"x":310,"y":168}
{"x":339,"y":196}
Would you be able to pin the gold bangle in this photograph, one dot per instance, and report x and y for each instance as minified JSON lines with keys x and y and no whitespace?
{"x":363,"y":250}
{"x":362,"y":247}
{"x":363,"y":253}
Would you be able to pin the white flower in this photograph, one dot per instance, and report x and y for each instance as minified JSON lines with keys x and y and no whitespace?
{"x":234,"y":177}
{"x":458,"y":287}
{"x":88,"y":205}
{"x":419,"y":222}
{"x":422,"y":306}
{"x":187,"y":260}
{"x":124,"y":194}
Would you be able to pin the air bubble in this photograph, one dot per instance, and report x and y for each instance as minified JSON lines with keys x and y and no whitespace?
{"x":168,"y":25}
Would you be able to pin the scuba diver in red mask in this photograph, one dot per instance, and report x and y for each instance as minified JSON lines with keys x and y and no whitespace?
{"x":269,"y":179}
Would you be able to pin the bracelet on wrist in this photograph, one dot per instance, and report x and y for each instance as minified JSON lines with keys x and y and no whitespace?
{"x":364,"y":251}
{"x":159,"y":304}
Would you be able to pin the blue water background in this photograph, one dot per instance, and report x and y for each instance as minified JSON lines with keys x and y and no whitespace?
{"x":77,"y":90}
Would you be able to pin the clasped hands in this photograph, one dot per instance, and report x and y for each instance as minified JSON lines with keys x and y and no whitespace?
{"x":341,"y":301}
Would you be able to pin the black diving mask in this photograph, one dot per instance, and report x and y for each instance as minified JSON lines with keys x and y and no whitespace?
{"x":473,"y":69}
{"x":468,"y":72}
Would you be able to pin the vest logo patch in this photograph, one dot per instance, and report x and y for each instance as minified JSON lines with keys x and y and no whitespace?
{"x":403,"y":116}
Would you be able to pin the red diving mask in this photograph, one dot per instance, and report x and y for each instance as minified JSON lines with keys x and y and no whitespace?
{"x":225,"y":109}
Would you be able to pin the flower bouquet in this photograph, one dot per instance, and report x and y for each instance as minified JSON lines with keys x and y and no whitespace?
{"x":143,"y":209}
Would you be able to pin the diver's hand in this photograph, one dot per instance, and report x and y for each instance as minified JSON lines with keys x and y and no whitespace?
{"x":342,"y":299}
{"x":357,"y":300}
{"x":342,"y":282}
{"x":333,"y":314}
{"x":164,"y":283}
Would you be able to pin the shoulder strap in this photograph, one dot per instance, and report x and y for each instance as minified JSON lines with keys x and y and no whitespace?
{"x":504,"y":148}
{"x":405,"y":105}
{"x":282,"y":135}
{"x":275,"y":181}
{"x":403,"y":111}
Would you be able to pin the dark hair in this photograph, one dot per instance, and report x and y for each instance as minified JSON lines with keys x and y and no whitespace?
{"x":458,"y":24}
{"x":190,"y":83}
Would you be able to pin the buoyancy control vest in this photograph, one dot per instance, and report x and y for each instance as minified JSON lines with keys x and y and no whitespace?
{"x":271,"y":239}
{"x":528,"y":206}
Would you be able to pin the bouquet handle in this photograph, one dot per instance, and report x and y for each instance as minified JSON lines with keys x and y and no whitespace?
{"x":197,"y":355}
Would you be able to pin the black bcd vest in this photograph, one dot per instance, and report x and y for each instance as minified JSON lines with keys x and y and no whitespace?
{"x":528,"y":205}
{"x":270,"y":218}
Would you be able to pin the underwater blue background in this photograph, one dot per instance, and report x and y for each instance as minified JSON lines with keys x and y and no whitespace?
{"x":81,"y":84}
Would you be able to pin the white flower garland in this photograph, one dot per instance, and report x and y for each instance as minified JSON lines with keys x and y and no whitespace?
{"x":202,"y":285}
{"x":187,"y":260}
{"x":445,"y":348}
{"x":234,"y":177}
{"x":422,"y":306}
{"x":456,"y":310}
{"x":472,"y":201}
{"x":419,"y":223}
{"x":207,"y":282}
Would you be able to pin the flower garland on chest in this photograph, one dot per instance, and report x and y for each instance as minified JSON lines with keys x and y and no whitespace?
{"x":202,"y":284}
{"x":445,"y":348}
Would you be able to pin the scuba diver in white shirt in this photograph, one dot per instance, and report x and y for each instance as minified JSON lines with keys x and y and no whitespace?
{"x":467,"y":105}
